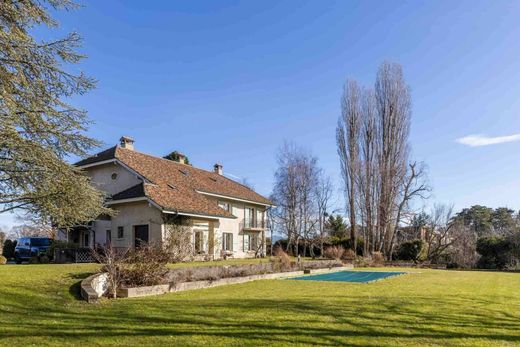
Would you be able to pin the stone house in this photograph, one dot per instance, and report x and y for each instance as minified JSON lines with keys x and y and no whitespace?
{"x":148,"y":192}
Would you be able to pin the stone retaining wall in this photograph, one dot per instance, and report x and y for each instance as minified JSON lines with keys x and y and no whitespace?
{"x":95,"y":286}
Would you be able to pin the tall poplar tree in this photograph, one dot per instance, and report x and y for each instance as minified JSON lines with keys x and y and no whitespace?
{"x":39,"y":128}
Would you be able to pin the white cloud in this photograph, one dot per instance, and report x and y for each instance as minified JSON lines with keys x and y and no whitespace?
{"x":482,"y":140}
{"x":232,"y":176}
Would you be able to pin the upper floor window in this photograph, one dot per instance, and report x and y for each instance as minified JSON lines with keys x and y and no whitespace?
{"x":114,"y":176}
{"x":224,"y":205}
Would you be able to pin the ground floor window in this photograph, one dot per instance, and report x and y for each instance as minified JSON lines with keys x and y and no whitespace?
{"x":108,"y":237}
{"x":199,"y":247}
{"x":250,"y":242}
{"x":120,"y":232}
{"x":227,"y":241}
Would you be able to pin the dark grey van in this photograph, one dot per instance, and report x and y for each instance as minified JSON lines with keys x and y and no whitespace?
{"x":28,"y":247}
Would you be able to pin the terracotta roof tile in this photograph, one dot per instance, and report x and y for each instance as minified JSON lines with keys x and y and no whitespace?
{"x":174,"y":186}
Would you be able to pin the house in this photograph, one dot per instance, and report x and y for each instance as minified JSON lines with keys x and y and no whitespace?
{"x":147,"y":192}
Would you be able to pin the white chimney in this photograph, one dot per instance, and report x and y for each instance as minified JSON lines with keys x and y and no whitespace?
{"x":217,"y":168}
{"x":126,"y":142}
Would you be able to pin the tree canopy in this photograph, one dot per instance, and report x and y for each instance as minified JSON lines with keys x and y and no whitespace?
{"x":176,"y":156}
{"x":39,"y":128}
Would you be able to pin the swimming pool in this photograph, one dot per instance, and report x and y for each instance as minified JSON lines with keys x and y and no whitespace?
{"x":349,"y":276}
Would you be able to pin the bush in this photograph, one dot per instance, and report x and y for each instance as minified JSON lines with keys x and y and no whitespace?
{"x":346,"y":243}
{"x":378,"y":258}
{"x":8,"y":249}
{"x":211,"y":273}
{"x":281,"y":260}
{"x":494,"y":252}
{"x":145,"y":266}
{"x":3,"y":260}
{"x":349,"y":255}
{"x":411,"y":250}
{"x":44,"y":259}
{"x":334,"y":252}
{"x":34,"y":260}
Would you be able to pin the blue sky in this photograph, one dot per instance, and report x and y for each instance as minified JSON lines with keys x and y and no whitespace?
{"x":229,"y":81}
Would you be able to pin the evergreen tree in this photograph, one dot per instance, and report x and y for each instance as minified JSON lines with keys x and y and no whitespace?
{"x":39,"y":128}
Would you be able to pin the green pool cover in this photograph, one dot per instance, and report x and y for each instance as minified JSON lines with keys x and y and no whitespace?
{"x":349,"y":276}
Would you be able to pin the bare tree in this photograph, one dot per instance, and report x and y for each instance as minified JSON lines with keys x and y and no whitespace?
{"x":372,"y":139}
{"x":113,"y":260}
{"x":323,"y":195}
{"x":414,"y":185}
{"x":368,"y":174}
{"x":295,"y":180}
{"x":443,"y":231}
{"x":177,"y":242}
{"x":347,"y":137}
{"x":393,"y":105}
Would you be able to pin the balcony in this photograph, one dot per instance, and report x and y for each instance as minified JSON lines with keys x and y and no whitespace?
{"x":252,"y":224}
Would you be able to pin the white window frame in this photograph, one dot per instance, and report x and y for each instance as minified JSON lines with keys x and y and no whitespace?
{"x":227,"y":245}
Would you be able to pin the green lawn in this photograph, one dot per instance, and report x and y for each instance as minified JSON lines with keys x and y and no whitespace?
{"x":39,"y":306}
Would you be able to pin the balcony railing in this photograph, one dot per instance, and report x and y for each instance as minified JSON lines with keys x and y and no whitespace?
{"x":252,"y":224}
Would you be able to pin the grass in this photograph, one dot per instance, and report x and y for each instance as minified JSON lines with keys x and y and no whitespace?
{"x":39,"y":306}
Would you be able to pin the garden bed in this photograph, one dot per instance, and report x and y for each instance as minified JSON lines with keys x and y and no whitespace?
{"x":94,"y":287}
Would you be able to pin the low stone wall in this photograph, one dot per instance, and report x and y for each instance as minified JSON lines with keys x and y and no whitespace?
{"x":94,"y":287}
{"x":179,"y":287}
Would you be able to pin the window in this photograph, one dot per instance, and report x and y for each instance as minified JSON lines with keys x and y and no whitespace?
{"x":120,"y":232}
{"x":198,"y":242}
{"x":250,"y":242}
{"x":227,"y":241}
{"x":108,"y":237}
{"x":249,"y":219}
{"x":114,"y":176}
{"x":224,"y":205}
{"x":40,"y":242}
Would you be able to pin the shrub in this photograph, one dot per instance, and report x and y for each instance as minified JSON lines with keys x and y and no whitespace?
{"x":378,"y":258}
{"x":177,"y":242}
{"x":349,"y":255}
{"x":346,"y":243}
{"x":3,"y":260}
{"x":411,"y":250}
{"x":145,"y":266}
{"x":281,"y":260}
{"x":8,"y":248}
{"x":334,"y":252}
{"x":494,"y":252}
{"x":210,"y":273}
{"x":34,"y":260}
{"x":44,"y":259}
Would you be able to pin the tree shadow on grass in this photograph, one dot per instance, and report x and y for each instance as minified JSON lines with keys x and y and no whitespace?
{"x":263,"y":321}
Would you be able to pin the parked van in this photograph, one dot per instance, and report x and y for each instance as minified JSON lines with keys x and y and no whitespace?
{"x":28,"y":247}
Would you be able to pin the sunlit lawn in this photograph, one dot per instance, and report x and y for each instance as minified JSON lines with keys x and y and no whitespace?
{"x":39,"y":306}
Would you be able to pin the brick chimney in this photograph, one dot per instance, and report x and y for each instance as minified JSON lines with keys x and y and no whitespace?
{"x":126,"y":142}
{"x":217,"y":168}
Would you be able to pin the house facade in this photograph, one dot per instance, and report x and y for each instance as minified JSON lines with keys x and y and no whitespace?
{"x":148,"y":193}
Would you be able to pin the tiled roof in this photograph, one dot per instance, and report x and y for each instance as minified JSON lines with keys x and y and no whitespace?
{"x":107,"y":154}
{"x":174,"y":186}
{"x":136,"y":191}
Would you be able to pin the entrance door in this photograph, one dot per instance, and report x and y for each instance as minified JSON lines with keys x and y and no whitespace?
{"x":141,"y":235}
